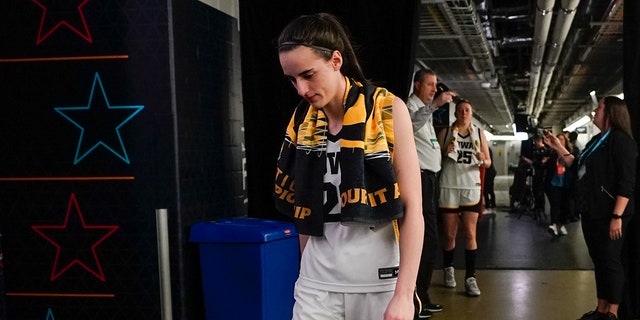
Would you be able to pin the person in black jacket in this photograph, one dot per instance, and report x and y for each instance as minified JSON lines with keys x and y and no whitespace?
{"x":540,"y":157}
{"x":489,"y":193}
{"x":606,"y":172}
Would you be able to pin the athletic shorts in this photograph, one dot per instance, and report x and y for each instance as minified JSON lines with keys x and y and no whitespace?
{"x":459,"y":200}
{"x":313,"y":304}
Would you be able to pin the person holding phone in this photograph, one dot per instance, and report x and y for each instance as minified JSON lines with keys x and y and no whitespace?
{"x":606,"y":178}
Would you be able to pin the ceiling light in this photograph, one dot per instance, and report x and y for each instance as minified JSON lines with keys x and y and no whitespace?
{"x":578,"y":123}
{"x":519,"y":136}
{"x":593,"y":97}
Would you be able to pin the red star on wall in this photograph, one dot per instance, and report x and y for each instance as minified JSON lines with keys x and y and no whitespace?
{"x":75,"y":242}
{"x":55,"y":18}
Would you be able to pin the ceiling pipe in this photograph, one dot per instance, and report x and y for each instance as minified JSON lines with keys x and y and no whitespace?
{"x":576,"y":61}
{"x":561,"y":30}
{"x":544,"y":14}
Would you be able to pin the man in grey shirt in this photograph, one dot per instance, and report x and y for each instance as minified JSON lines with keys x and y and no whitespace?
{"x":421,"y":106}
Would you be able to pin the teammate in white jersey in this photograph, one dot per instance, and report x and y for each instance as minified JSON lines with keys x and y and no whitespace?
{"x":465,"y":150}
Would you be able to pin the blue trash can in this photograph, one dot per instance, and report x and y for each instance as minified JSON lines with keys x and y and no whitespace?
{"x":249,"y":268}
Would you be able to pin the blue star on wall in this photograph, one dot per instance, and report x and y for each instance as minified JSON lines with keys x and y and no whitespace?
{"x":50,"y":315}
{"x":99,"y":123}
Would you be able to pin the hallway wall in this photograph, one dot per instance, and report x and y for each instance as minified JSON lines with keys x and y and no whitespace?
{"x":505,"y":153}
{"x":631,"y":53}
{"x":112,"y":110}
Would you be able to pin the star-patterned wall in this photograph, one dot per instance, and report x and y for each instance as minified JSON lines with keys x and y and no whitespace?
{"x":109,"y":110}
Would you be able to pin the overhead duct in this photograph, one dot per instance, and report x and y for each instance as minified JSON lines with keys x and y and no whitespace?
{"x":544,"y":14}
{"x":458,"y":41}
{"x":560,"y":32}
{"x":464,"y":21}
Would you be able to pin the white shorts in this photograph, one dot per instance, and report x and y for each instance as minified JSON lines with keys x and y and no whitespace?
{"x":313,"y":304}
{"x":455,"y":198}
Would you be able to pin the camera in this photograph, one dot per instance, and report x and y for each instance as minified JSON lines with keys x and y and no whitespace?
{"x":541,"y":152}
{"x":440,"y":88}
{"x":541,"y":132}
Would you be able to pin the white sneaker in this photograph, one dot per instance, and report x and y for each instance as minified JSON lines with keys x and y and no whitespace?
{"x":449,"y":277}
{"x":563,"y":231}
{"x":472,"y":287}
{"x":553,"y":230}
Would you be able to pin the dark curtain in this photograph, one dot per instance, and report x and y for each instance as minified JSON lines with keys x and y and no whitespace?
{"x":384,"y":33}
{"x":630,"y":307}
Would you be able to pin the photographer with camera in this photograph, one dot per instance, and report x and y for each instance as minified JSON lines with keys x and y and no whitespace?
{"x":558,"y":179}
{"x":540,"y":157}
{"x":425,"y":99}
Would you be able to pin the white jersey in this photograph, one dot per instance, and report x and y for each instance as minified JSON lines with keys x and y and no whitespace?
{"x":353,"y":258}
{"x":463,"y":173}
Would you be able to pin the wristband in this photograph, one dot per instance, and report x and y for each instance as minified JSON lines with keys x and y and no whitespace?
{"x":615,"y":216}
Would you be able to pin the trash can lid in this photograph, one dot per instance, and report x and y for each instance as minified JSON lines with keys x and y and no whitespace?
{"x":241,"y":230}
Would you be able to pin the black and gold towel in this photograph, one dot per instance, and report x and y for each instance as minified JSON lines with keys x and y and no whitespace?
{"x":369,"y":190}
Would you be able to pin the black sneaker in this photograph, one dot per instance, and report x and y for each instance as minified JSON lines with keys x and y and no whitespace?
{"x":424,"y":314}
{"x":593,"y":315}
{"x":421,"y":311}
{"x":433,"y":307}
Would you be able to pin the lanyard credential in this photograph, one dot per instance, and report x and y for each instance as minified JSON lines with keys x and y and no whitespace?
{"x":592,"y":148}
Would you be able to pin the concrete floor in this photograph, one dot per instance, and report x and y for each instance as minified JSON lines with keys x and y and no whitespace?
{"x":523,"y":272}
{"x":517,"y":295}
